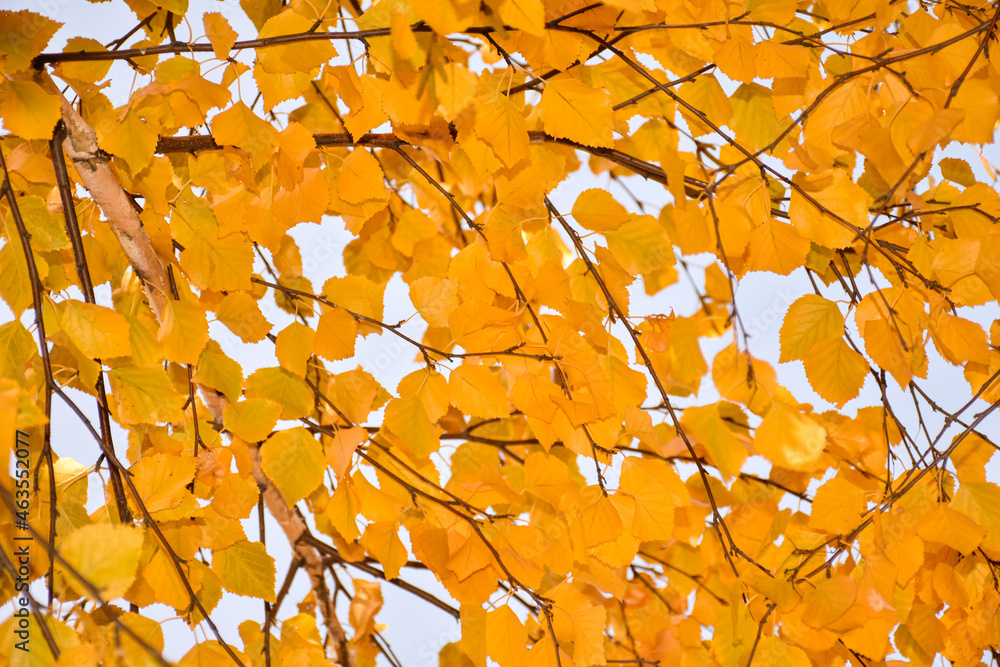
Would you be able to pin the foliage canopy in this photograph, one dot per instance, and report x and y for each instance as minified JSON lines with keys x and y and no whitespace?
{"x":594,"y":472}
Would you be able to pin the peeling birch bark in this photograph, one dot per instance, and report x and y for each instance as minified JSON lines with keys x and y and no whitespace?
{"x":99,"y":178}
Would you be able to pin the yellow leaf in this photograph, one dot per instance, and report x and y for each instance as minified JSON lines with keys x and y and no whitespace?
{"x":246,"y":568}
{"x":27,"y":34}
{"x":146,"y":350}
{"x":837,"y":507}
{"x":357,"y":393}
{"x":454,"y":89}
{"x":473,"y":641}
{"x":48,"y":231}
{"x":828,"y":600}
{"x":296,"y":143}
{"x":501,"y":125}
{"x":870,"y":640}
{"x":574,"y":616}
{"x":251,"y":420}
{"x":641,"y":245}
{"x":16,"y":349}
{"x":445,"y":17}
{"x":980,"y":501}
{"x":790,"y":439}
{"x":547,"y":477}
{"x":219,"y":33}
{"x":706,"y":95}
{"x":221,"y":373}
{"x":361,"y":178}
{"x":571,"y":109}
{"x":130,"y":138}
{"x":526,"y":15}
{"x":341,"y":447}
{"x":145,"y":395}
{"x":960,"y":340}
{"x":883,"y":345}
{"x":14,"y":280}
{"x":366,"y":604}
{"x":336,"y":334}
{"x":970,"y":458}
{"x":505,"y":235}
{"x":979,"y":101}
{"x":775,"y":246}
{"x":432,"y":389}
{"x":294,"y":346}
{"x":776,"y":11}
{"x":620,"y":551}
{"x":148,"y":629}
{"x":105,"y":555}
{"x":598,"y":515}
{"x":468,"y":558}
{"x":343,"y":511}
{"x":476,"y":391}
{"x":236,"y":496}
{"x":773,"y":651}
{"x":241,"y":127}
{"x":184,"y":331}
{"x":241,"y":314}
{"x":735,"y":382}
{"x":657,"y":489}
{"x":754,"y":119}
{"x":358,"y":295}
{"x":209,"y":652}
{"x":835,"y":371}
{"x":735,"y":56}
{"x":597,"y":210}
{"x":707,"y":427}
{"x":628,"y":386}
{"x":99,"y":332}
{"x":28,"y":111}
{"x":294,"y":461}
{"x":829,"y":208}
{"x":810,"y":319}
{"x":780,"y":61}
{"x":381,"y":540}
{"x":948,"y":526}
{"x":957,"y":171}
{"x":407,"y":417}
{"x":218,"y":264}
{"x":280,"y":386}
{"x":292,"y":58}
{"x":161,"y":480}
{"x":435,"y":299}
{"x":506,"y":638}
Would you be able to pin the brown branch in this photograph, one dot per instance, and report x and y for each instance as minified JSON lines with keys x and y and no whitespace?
{"x":760,"y":630}
{"x":87,"y":287}
{"x":7,"y":190}
{"x":648,"y":170}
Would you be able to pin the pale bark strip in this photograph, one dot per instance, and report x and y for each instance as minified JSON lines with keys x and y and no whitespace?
{"x":294,"y":527}
{"x":99,"y":178}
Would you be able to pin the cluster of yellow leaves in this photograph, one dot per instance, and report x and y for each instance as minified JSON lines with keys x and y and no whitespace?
{"x":536,"y":447}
